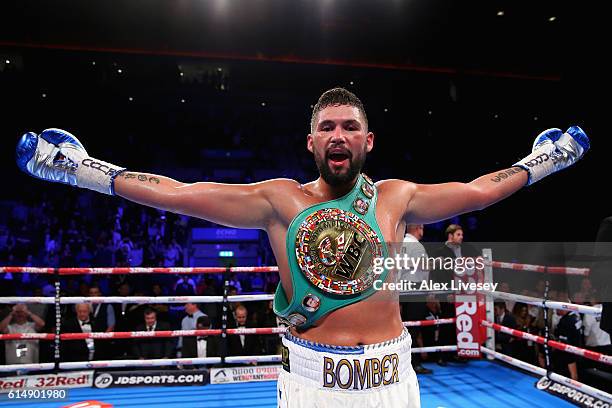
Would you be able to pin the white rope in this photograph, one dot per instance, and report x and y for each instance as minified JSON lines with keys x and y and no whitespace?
{"x":26,"y":367}
{"x":433,"y":349}
{"x":273,"y":358}
{"x":549,"y":303}
{"x":138,"y":363}
{"x":23,"y":299}
{"x":554,"y":376}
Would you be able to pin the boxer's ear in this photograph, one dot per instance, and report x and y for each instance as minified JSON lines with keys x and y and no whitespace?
{"x":309,"y":143}
{"x":369,"y":142}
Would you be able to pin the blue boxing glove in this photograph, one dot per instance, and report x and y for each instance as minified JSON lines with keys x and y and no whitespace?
{"x":554,"y":150}
{"x":56,"y":155}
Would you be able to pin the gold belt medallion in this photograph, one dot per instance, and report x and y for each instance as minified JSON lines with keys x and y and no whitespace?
{"x":336,"y":250}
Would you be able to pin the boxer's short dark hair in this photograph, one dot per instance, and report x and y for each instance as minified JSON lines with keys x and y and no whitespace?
{"x":335,"y":97}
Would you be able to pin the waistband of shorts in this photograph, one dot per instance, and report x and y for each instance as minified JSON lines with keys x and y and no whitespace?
{"x":347,"y":350}
{"x":337,"y":367}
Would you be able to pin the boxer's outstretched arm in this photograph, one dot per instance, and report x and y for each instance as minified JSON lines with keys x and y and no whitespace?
{"x":236,"y":205}
{"x":435,"y":202}
{"x":58,"y":156}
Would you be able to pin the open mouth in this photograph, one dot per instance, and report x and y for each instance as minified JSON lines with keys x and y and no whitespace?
{"x":338,"y":158}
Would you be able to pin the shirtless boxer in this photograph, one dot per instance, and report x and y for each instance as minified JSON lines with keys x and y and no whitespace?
{"x":340,"y":351}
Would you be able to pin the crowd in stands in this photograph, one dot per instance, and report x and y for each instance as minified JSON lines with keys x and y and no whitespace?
{"x":77,"y":232}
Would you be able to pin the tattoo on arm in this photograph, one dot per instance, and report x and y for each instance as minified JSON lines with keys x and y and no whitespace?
{"x":140,"y":177}
{"x":506,"y":174}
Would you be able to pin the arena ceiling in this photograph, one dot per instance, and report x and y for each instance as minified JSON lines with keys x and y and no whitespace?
{"x":515,"y":38}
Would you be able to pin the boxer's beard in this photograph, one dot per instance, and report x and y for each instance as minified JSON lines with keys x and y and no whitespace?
{"x":355,"y":165}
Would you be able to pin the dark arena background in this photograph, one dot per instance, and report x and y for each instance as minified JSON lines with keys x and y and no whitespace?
{"x":223,"y":91}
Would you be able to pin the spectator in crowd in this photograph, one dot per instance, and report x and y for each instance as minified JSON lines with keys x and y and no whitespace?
{"x":189,"y":322}
{"x":504,"y":342}
{"x":595,"y":338}
{"x":411,"y":307}
{"x":505,"y":287}
{"x":235,"y":283}
{"x":271,"y":342}
{"x":84,"y":257}
{"x":431,"y":334}
{"x":523,"y":349}
{"x":569,"y":331}
{"x":124,"y":252}
{"x":243,"y":345}
{"x":172,"y":254}
{"x":81,"y":350}
{"x":206,"y":346}
{"x":125,"y":321}
{"x":154,"y":347}
{"x":21,"y":320}
{"x":184,"y":286}
{"x":104,"y":313}
{"x":161,"y":308}
{"x":453,"y":248}
{"x":103,"y":316}
{"x":207,"y":287}
{"x":585,"y":291}
{"x":39,"y":309}
{"x":257,"y":283}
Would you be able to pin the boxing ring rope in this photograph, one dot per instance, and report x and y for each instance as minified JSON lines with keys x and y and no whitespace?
{"x":587,"y":389}
{"x":58,"y":300}
{"x":138,"y":270}
{"x":73,"y":300}
{"x":572,"y":307}
{"x":180,"y":333}
{"x":602,"y":358}
{"x":564,"y":270}
{"x":159,"y":362}
{"x":546,"y":304}
{"x":257,"y":269}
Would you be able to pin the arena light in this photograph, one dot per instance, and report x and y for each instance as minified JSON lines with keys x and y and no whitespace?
{"x":552,"y":18}
{"x":500,"y":13}
{"x":7,"y":61}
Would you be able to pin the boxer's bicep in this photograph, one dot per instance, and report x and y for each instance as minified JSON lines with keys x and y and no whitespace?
{"x":436,"y":202}
{"x":236,"y":205}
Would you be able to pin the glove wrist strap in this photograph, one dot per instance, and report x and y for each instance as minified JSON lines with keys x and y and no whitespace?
{"x":538,"y":164}
{"x":97,"y":175}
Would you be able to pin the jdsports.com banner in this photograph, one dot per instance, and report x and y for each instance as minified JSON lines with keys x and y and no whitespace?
{"x":244,"y":374}
{"x":150,"y":378}
{"x":570,"y":394}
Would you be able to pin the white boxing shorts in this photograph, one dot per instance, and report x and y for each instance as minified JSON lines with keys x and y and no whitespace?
{"x":376,"y":375}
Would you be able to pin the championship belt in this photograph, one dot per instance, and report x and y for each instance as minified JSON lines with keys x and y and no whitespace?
{"x":335,"y":250}
{"x":332,"y":256}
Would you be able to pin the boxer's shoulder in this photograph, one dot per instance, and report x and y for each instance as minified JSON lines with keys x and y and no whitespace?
{"x":279,"y":185}
{"x":396,"y":188}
